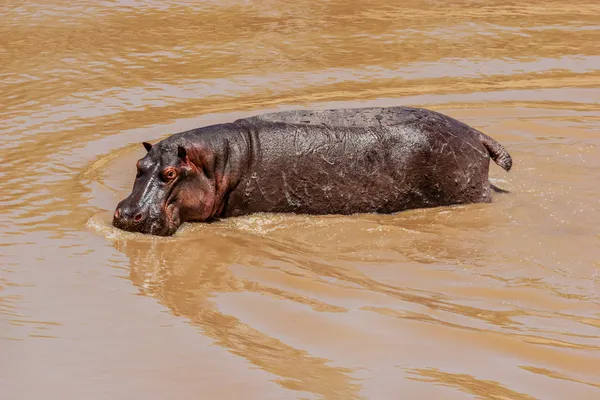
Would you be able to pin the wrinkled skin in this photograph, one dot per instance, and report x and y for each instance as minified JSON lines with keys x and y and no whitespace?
{"x":369,"y":160}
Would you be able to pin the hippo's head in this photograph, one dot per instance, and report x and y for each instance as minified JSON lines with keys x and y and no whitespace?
{"x":168,"y":190}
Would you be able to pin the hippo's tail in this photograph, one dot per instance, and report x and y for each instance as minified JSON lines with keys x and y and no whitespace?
{"x":497,"y":152}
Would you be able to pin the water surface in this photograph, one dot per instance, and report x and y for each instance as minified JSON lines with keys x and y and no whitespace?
{"x":493,"y":301}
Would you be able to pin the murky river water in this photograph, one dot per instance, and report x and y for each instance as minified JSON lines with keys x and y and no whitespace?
{"x":494,"y":301}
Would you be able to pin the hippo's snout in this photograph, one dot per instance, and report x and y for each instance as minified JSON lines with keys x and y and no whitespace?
{"x":134,"y":219}
{"x":128,"y":215}
{"x":129,"y":218}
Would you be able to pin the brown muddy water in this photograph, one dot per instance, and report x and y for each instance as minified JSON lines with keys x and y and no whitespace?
{"x":494,"y":301}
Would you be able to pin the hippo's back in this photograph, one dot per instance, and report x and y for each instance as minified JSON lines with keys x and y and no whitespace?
{"x":349,"y":117}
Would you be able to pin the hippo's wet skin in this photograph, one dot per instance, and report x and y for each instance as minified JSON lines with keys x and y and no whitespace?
{"x":370,"y":160}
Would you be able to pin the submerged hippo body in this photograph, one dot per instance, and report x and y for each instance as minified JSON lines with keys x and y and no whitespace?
{"x":369,"y":160}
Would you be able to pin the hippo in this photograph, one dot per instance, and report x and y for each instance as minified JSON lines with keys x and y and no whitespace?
{"x":339,"y":161}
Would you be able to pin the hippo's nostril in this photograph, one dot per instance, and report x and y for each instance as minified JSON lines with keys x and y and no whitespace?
{"x":117,"y":213}
{"x":138,"y":217}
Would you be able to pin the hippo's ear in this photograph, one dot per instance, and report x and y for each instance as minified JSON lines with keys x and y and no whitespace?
{"x":181,"y":152}
{"x":147,"y":146}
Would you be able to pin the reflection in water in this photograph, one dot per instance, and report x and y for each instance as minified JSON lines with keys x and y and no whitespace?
{"x":185,"y":279}
{"x":327,"y":307}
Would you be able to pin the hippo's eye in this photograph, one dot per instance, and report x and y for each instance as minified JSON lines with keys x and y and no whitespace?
{"x":170,"y":174}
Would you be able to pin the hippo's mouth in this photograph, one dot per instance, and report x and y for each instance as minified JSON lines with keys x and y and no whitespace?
{"x":171,"y":221}
{"x":164,"y":224}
